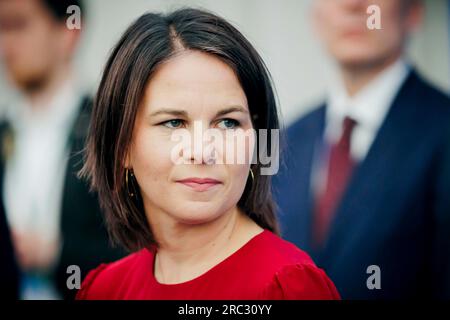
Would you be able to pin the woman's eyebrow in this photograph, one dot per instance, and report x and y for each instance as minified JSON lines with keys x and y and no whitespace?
{"x":173,"y":112}
{"x":231,"y":109}
{"x":183,"y":113}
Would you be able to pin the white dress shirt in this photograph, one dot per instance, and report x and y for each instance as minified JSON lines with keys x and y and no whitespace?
{"x":35,"y":172}
{"x":368,"y":108}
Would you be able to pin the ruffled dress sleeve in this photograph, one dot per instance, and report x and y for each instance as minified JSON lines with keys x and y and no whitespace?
{"x":300,"y":282}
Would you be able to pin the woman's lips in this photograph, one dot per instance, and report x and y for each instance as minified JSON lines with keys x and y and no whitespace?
{"x":200,"y":184}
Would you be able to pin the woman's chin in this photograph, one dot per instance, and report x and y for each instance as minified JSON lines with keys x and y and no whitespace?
{"x":197,"y":215}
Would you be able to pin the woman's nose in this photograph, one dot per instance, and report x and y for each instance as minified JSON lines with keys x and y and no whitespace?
{"x":202,"y":148}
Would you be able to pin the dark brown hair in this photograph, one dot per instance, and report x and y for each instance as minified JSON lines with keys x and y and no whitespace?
{"x":149,"y":41}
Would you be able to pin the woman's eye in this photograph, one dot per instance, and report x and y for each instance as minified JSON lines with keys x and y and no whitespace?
{"x":228,"y":124}
{"x":173,"y":124}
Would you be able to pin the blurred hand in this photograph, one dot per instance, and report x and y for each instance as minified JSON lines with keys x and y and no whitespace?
{"x":33,"y":252}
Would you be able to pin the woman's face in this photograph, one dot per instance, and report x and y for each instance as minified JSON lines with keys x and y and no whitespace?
{"x":191,"y":90}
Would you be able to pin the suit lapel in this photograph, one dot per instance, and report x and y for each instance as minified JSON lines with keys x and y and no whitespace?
{"x":79,"y":129}
{"x":75,"y":143}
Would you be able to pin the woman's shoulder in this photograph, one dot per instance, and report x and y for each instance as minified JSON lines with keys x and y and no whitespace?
{"x":293,"y":274}
{"x":102,"y":282}
{"x":282,"y":252}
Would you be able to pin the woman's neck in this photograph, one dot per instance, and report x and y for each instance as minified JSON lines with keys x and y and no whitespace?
{"x":187,"y":251}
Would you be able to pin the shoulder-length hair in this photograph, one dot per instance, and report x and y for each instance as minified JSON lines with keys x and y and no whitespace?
{"x":151,"y":40}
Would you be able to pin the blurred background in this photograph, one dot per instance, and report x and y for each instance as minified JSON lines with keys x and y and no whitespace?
{"x":280,"y":31}
{"x":49,"y":220}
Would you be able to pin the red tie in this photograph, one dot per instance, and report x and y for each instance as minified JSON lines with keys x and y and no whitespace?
{"x":340,"y":165}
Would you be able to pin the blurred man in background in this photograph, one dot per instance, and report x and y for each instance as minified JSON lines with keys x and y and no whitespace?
{"x":363,"y":187}
{"x":54,"y":221}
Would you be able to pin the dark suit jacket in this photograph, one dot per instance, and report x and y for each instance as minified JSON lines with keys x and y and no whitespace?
{"x":395,"y":212}
{"x":85,"y":240}
{"x":9,"y":273}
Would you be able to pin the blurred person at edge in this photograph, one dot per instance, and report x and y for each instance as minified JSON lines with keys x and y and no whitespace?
{"x":9,"y":273}
{"x":53,"y":219}
{"x":363,"y":183}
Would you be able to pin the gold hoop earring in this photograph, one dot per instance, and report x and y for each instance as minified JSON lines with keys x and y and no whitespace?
{"x":127,"y":171}
{"x":252,"y":175}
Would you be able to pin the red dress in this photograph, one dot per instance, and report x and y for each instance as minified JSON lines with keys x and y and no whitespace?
{"x":266,"y":267}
